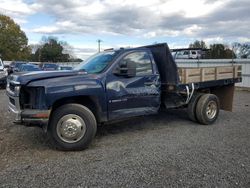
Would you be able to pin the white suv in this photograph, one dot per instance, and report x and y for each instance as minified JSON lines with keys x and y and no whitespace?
{"x":188,"y":54}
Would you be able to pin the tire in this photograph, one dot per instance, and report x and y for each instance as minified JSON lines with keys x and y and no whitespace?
{"x":72,"y":127}
{"x":207,"y":109}
{"x":191,"y":109}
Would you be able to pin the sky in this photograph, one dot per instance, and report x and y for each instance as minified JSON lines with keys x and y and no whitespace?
{"x":131,"y":23}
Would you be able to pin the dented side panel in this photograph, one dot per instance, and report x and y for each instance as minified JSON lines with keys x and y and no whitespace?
{"x":135,"y":96}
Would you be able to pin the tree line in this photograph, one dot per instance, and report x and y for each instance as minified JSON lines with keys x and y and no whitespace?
{"x":222,"y":51}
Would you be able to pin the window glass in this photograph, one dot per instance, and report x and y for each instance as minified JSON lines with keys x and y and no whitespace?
{"x":142,"y":61}
{"x":185,"y":53}
{"x":98,"y":62}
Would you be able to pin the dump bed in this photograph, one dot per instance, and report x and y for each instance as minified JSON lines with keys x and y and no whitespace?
{"x":173,"y":77}
{"x":204,"y":74}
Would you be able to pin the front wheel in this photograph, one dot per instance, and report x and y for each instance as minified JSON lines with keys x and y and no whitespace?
{"x":207,"y":109}
{"x":72,"y":127}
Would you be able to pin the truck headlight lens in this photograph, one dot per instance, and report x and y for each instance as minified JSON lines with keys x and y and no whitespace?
{"x":17,"y":90}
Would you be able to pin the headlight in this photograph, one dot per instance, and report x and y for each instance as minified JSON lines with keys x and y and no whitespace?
{"x":17,"y":90}
{"x":2,"y":74}
{"x":6,"y":72}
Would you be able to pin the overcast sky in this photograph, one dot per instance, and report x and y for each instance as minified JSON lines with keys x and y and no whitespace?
{"x":131,"y":22}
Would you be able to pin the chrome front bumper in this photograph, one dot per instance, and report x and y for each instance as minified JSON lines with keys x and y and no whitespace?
{"x":14,"y":103}
{"x":16,"y":112}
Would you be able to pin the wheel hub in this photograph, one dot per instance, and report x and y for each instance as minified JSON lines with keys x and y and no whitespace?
{"x":71,"y":128}
{"x":211,"y":110}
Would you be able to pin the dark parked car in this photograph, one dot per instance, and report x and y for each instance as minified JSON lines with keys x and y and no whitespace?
{"x":15,"y":66}
{"x":49,"y":66}
{"x":29,"y":67}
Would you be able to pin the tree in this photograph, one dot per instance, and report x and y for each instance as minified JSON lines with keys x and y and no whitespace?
{"x":198,"y":44}
{"x":51,"y":51}
{"x":13,"y":41}
{"x":241,"y":50}
{"x":220,"y":51}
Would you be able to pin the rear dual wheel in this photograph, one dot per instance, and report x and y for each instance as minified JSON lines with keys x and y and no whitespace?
{"x":204,"y":108}
{"x":192,"y":106}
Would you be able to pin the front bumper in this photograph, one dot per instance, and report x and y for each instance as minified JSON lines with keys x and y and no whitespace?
{"x":29,"y":116}
{"x":26,"y":116}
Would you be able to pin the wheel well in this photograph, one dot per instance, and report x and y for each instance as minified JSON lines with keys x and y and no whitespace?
{"x":88,"y":101}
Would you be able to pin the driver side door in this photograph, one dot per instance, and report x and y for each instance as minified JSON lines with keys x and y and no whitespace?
{"x":137,"y":95}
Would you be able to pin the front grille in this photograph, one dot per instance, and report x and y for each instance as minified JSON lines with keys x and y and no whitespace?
{"x":12,"y":87}
{"x":12,"y":101}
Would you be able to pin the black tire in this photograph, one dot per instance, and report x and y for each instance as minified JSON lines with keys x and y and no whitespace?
{"x":207,"y":109}
{"x":191,"y":109}
{"x":82,"y":119}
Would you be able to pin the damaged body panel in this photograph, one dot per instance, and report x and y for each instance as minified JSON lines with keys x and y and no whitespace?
{"x":132,"y":97}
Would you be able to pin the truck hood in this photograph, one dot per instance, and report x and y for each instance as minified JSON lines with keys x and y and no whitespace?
{"x":25,"y":78}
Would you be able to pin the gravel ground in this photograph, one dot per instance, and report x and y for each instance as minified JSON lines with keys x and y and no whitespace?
{"x":165,"y":150}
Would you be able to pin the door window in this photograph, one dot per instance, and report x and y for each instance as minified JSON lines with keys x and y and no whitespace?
{"x":142,"y":61}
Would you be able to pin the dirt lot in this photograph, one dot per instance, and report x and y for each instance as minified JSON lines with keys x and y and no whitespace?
{"x":157,"y":151}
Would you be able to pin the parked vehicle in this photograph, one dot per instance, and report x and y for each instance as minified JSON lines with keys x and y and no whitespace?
{"x":117,"y":84}
{"x":15,"y":66}
{"x":65,"y":68}
{"x":29,"y":67}
{"x":3,"y":74}
{"x":187,"y":54}
{"x":49,"y":66}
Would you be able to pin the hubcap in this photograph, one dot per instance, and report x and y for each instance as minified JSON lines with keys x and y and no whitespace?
{"x":211,"y":109}
{"x":71,"y":128}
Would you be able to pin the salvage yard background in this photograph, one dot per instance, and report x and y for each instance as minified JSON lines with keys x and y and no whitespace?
{"x":156,"y":151}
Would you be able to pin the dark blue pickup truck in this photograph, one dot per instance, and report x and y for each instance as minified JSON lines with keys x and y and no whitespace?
{"x":113,"y":85}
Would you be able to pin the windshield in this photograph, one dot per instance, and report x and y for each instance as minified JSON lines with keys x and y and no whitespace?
{"x":29,"y":68}
{"x":18,"y":65}
{"x":98,"y":62}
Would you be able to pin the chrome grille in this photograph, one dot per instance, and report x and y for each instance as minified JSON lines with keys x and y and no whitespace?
{"x":12,"y":87}
{"x":12,"y":101}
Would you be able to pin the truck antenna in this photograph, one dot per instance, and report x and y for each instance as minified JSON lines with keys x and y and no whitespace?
{"x":99,"y":44}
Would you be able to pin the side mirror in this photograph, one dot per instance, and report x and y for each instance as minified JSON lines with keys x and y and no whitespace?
{"x":126,"y":69}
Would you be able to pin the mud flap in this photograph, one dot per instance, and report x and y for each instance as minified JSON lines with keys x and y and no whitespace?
{"x":225,"y":95}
